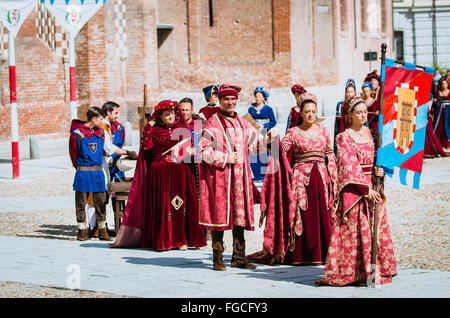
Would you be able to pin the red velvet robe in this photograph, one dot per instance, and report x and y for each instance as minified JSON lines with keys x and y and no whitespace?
{"x":295,"y":119}
{"x":162,"y":207}
{"x":278,"y":209}
{"x":208,"y":111}
{"x":226,"y":190}
{"x":372,"y":118}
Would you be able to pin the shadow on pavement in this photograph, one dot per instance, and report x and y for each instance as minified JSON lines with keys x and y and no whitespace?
{"x":53,"y":231}
{"x":178,"y":262}
{"x":96,"y":245}
{"x":305,"y":275}
{"x":56,"y":229}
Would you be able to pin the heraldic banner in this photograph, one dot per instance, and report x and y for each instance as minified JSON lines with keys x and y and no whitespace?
{"x":402,"y":124}
{"x":14,"y":13}
{"x":73,"y":14}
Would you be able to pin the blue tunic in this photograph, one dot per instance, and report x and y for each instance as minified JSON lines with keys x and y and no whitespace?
{"x":265,"y":117}
{"x":89,"y":154}
{"x":118,"y":140}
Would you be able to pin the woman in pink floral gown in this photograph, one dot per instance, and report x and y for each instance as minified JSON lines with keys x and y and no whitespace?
{"x":349,"y":254}
{"x":313,"y":186}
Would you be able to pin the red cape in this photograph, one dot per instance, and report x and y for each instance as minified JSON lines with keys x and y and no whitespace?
{"x":276,"y":208}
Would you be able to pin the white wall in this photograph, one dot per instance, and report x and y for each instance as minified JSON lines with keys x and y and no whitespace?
{"x":403,"y":21}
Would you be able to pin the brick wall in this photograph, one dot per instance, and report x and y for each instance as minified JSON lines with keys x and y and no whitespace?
{"x":241,"y":48}
{"x":43,"y":79}
{"x":40,"y":87}
{"x":177,"y":47}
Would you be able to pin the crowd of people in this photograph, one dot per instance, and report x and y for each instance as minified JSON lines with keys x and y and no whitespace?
{"x":195,"y":178}
{"x":437,"y":138}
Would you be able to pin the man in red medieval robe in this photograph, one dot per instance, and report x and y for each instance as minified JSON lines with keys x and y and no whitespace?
{"x":226,"y":188}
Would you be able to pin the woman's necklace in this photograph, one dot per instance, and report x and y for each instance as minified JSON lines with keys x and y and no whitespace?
{"x":359,"y":136}
{"x":309,"y":133}
{"x":258,"y":108}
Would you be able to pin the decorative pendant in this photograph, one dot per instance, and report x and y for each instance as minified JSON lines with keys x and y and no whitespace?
{"x":177,"y":202}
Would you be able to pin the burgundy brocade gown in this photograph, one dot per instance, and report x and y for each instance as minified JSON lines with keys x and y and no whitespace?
{"x":162,"y":208}
{"x":313,"y":184}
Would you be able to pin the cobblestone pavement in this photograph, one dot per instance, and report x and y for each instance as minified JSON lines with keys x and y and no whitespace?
{"x":419,"y":221}
{"x":19,"y":290}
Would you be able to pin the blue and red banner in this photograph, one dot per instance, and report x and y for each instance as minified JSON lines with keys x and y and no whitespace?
{"x":404,"y":119}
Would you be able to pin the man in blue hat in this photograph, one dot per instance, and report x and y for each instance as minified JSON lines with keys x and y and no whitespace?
{"x":211,"y":108}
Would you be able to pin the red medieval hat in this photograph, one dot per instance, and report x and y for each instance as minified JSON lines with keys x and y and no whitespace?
{"x":371,"y":76}
{"x":168,"y":105}
{"x":228,"y":90}
{"x":297,"y":88}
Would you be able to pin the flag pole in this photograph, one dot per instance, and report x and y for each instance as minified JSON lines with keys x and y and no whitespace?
{"x":373,"y":262}
{"x":13,"y":106}
{"x":72,"y":72}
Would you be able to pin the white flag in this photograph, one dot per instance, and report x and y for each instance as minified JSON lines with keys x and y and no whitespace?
{"x":72,"y":15}
{"x":14,"y":13}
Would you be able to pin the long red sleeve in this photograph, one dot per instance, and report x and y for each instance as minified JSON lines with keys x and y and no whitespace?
{"x":73,"y":150}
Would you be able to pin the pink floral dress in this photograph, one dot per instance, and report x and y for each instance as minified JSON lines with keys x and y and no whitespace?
{"x":310,"y":150}
{"x":313,"y":186}
{"x":349,"y":254}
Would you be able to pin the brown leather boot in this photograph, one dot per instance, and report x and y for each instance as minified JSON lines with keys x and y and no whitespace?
{"x":217,"y":246}
{"x":238,"y":258}
{"x":103,"y":234}
{"x":82,"y":235}
{"x":218,"y":264}
{"x":93,"y":233}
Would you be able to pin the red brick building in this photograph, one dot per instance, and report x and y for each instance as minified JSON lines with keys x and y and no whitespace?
{"x":180,"y":46}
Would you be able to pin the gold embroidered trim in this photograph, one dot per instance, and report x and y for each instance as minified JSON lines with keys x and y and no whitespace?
{"x":177,"y":202}
{"x":312,"y":153}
